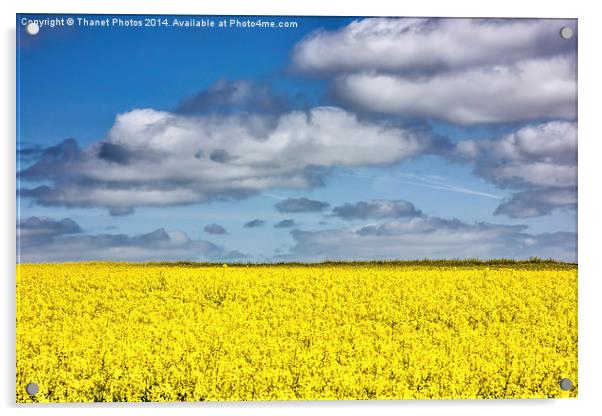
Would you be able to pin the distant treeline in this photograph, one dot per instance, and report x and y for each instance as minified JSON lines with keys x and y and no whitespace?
{"x":533,"y":262}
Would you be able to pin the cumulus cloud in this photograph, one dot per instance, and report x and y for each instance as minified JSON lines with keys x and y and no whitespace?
{"x":418,"y":44}
{"x":540,"y":155}
{"x":214,"y":229}
{"x":297,"y":205}
{"x":230,"y":96}
{"x":37,"y":230}
{"x":49,"y":240}
{"x":459,"y":70}
{"x":288,"y":223}
{"x":158,"y":158}
{"x":430,"y":237}
{"x":540,"y":159}
{"x":537,"y":202}
{"x":254,"y":223}
{"x":479,"y":95}
{"x":376,"y":209}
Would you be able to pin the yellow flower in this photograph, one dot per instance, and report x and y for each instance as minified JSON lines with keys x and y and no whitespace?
{"x":131,"y":332}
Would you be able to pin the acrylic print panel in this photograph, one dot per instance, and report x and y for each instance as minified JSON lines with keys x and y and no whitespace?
{"x":223,"y":208}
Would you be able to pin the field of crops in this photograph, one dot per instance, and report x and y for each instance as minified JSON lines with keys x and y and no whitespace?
{"x":129,"y":332}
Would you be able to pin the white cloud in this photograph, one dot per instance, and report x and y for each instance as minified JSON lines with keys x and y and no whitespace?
{"x":539,"y":88}
{"x":460,"y":70}
{"x":376,"y":209}
{"x":540,"y":154}
{"x":406,"y":44}
{"x":540,"y":159}
{"x":33,"y":231}
{"x":49,"y":240}
{"x":537,"y":202}
{"x":157,"y":158}
{"x":430,"y":237}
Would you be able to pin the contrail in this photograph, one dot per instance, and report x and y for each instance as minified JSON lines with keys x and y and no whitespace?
{"x":273,"y":196}
{"x":426,"y":183}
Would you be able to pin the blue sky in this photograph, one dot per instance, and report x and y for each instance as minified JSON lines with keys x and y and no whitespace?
{"x":432,"y":150}
{"x":92,"y":75}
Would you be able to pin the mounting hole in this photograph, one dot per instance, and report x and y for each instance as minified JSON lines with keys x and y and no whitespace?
{"x":32,"y":389}
{"x":32,"y":28}
{"x":566,"y":384}
{"x":566,"y":32}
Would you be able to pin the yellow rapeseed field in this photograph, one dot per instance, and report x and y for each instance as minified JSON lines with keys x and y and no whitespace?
{"x":130,"y":332}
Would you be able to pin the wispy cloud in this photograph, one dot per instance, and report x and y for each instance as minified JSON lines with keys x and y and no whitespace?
{"x":425,"y":181}
{"x":278,"y":197}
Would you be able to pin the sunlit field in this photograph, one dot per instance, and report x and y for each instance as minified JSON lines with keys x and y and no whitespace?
{"x":193,"y":332}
